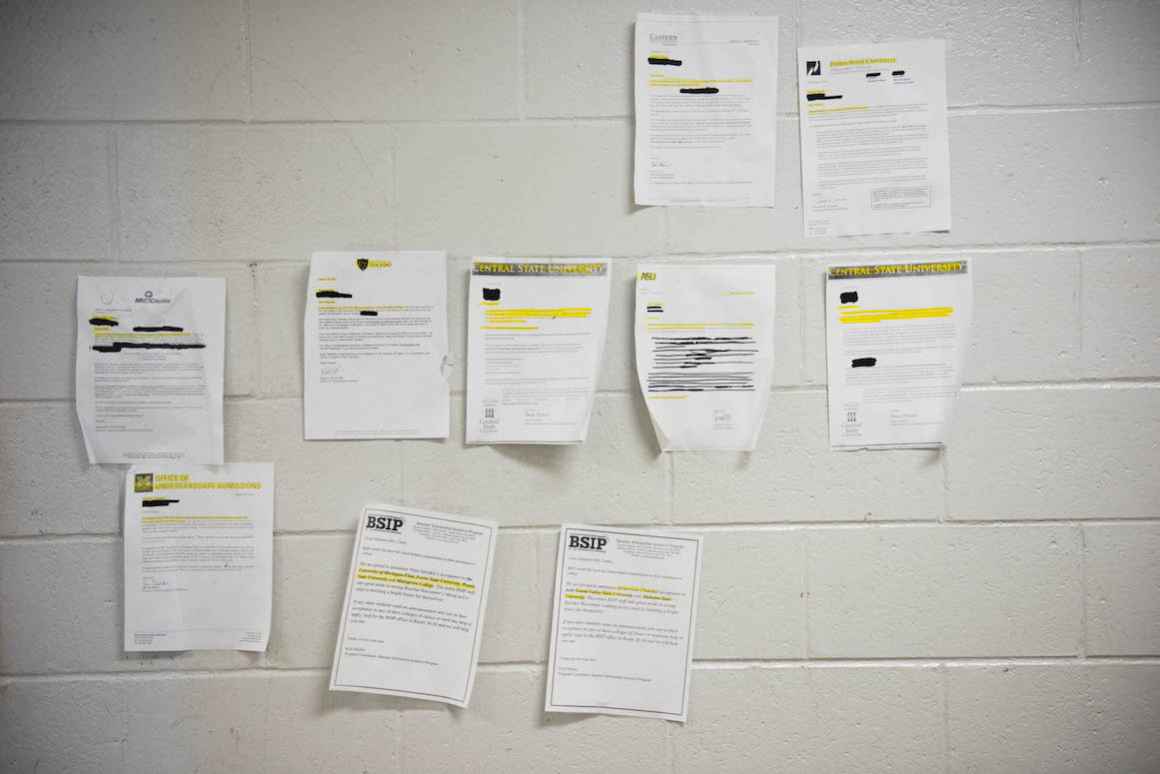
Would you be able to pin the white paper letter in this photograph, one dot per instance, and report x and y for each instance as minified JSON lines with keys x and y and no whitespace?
{"x":704,"y":352}
{"x":895,"y":339}
{"x":535,"y":336}
{"x":623,"y":623}
{"x":376,"y":346}
{"x":706,"y":110}
{"x":413,"y":616}
{"x":874,"y":138}
{"x":198,"y":556}
{"x":150,"y":363}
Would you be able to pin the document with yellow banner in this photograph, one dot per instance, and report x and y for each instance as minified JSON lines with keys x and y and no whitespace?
{"x":896,"y":335}
{"x":875,"y":156}
{"x":704,"y":352}
{"x":375,"y":339}
{"x":535,"y":338}
{"x":706,"y":110}
{"x":412,"y":619}
{"x":198,"y":556}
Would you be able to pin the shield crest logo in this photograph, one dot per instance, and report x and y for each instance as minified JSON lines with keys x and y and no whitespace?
{"x":361,"y":263}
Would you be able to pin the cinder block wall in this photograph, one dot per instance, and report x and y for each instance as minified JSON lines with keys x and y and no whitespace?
{"x":995,"y":608}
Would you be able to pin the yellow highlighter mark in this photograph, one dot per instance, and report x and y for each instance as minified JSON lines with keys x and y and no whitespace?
{"x":847,"y":109}
{"x":863,"y":316}
{"x":185,"y":519}
{"x":526,"y":314}
{"x":411,"y":579}
{"x":668,"y":80}
{"x":603,"y":593}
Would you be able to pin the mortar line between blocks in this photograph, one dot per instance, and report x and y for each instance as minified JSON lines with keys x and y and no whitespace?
{"x":1077,"y":30}
{"x":113,"y":161}
{"x":720,"y":527}
{"x":980,"y":109}
{"x":259,"y":339}
{"x":1079,"y":305}
{"x":806,"y":642}
{"x":521,"y":58}
{"x":1121,"y":383}
{"x":807,"y":633}
{"x":248,"y":43}
{"x":1083,"y":591}
{"x":759,"y":253}
{"x":672,"y":465}
{"x":944,"y":680}
{"x":396,"y":222}
{"x":524,"y":667}
{"x":944,"y":463}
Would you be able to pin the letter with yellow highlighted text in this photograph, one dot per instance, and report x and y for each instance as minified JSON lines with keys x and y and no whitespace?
{"x":896,"y":334}
{"x":535,"y":338}
{"x":412,"y":619}
{"x":623,"y":622}
{"x":198,"y":556}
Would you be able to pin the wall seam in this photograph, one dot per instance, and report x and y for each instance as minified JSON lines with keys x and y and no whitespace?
{"x":807,"y":600}
{"x":946,"y":716}
{"x":259,"y":374}
{"x":248,"y":43}
{"x":737,"y":527}
{"x":521,"y":59}
{"x":979,"y":109}
{"x":1083,"y":591}
{"x":725,"y":256}
{"x":113,"y":175}
{"x":704,"y":665}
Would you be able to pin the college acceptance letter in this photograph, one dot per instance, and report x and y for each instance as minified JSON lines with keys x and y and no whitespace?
{"x":704,"y":352}
{"x":413,"y":616}
{"x":623,"y":622}
{"x":375,"y":340}
{"x":896,"y":335}
{"x":706,"y":110}
{"x":875,"y":155}
{"x":198,"y":556}
{"x":535,"y":336}
{"x":149,"y":368}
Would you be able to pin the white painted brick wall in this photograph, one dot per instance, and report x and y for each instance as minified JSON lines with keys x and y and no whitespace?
{"x":993,"y":608}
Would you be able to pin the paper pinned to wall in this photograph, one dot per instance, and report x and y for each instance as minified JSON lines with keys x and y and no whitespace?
{"x":896,"y":336}
{"x":535,"y":338}
{"x":375,"y":340}
{"x":875,"y":156}
{"x":706,"y":110}
{"x":623,"y":621}
{"x":198,"y":556}
{"x":412,"y":618}
{"x":149,"y":368}
{"x":704,"y":352}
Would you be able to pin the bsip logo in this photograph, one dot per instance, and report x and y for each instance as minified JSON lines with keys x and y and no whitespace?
{"x":587,"y":542}
{"x":385,"y":523}
{"x":147,"y":298}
